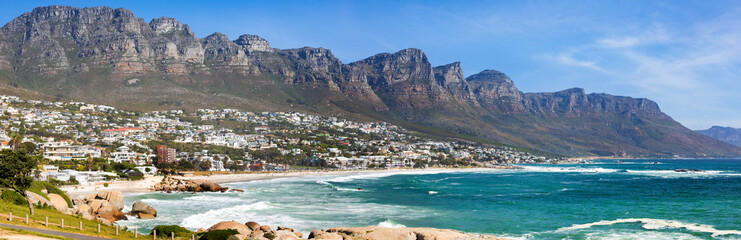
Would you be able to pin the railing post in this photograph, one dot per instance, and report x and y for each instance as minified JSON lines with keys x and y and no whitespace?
{"x":26,"y":218}
{"x":136,"y":233}
{"x":98,"y":227}
{"x":154,"y":233}
{"x":10,"y":218}
{"x":172,"y":236}
{"x":116,"y":230}
{"x":46,"y":221}
{"x":62,"y":225}
{"x":80,"y":225}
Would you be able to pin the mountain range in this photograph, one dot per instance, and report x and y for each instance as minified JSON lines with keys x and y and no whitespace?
{"x":109,"y":56}
{"x":726,"y":134}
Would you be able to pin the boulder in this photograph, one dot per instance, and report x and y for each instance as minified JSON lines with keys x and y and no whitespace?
{"x":285,"y":235}
{"x":96,"y":204}
{"x":257,"y":235}
{"x":373,"y":233}
{"x":37,"y":199}
{"x":265,"y":228}
{"x":140,"y":208}
{"x":145,"y":216}
{"x":241,"y":228}
{"x":285,"y":228}
{"x":78,"y":202}
{"x":83,"y":209}
{"x":319,"y":234}
{"x":102,"y":195}
{"x":58,"y":202}
{"x":252,"y":225}
{"x":104,"y":206}
{"x":111,"y":214}
{"x":116,"y":199}
{"x":90,"y":197}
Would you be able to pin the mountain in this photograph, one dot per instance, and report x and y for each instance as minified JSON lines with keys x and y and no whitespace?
{"x":109,"y":56}
{"x":726,"y":134}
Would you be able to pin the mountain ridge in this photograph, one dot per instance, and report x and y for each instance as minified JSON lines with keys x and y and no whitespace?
{"x":90,"y":53}
{"x":725,"y":134}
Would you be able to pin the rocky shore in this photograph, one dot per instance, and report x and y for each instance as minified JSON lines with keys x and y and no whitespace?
{"x":255,"y":231}
{"x":173,"y":184}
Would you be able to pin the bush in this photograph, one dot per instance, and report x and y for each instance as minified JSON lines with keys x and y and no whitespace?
{"x":105,"y":184}
{"x":219,"y":235}
{"x":166,"y":230}
{"x":13,"y":197}
{"x":269,"y":235}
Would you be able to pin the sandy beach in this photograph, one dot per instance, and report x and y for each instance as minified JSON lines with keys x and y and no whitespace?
{"x":145,"y":185}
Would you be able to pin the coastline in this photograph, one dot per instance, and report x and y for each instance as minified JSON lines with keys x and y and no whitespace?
{"x":146,"y":184}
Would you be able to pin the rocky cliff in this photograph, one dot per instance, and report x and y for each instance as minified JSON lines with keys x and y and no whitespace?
{"x":89,"y":54}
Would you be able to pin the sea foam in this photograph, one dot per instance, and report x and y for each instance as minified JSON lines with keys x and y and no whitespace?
{"x":654,"y":224}
{"x":568,"y":169}
{"x":390,"y":224}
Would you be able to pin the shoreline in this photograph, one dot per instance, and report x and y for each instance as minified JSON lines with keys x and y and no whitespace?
{"x":145,"y":185}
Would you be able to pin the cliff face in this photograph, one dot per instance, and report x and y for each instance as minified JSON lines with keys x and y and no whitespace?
{"x":87,"y":53}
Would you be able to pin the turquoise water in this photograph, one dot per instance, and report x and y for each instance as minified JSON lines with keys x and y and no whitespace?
{"x":634,"y":200}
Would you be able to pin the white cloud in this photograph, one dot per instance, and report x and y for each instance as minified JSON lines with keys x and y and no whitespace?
{"x":622,"y":42}
{"x":568,"y":59}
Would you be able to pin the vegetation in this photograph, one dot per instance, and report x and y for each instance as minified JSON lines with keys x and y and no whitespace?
{"x":166,"y":230}
{"x":71,"y":222}
{"x":13,"y":197}
{"x":219,"y":235}
{"x":16,"y":169}
{"x":38,"y":186}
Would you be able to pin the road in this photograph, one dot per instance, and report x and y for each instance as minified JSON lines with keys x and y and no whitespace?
{"x":54,"y":233}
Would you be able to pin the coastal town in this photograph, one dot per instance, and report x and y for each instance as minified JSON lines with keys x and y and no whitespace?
{"x":83,"y":142}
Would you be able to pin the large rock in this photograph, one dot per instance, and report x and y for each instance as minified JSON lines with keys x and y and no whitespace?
{"x":82,"y":209}
{"x":286,"y":235}
{"x":381,"y":233}
{"x":241,"y":228}
{"x":90,"y":197}
{"x":102,"y":195}
{"x":143,"y":211}
{"x":188,"y":185}
{"x":116,"y":199}
{"x":319,"y":234}
{"x":252,"y":225}
{"x":97,"y":204}
{"x":58,"y":202}
{"x":37,"y":199}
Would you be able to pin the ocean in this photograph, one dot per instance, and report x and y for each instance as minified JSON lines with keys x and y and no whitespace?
{"x":634,"y":199}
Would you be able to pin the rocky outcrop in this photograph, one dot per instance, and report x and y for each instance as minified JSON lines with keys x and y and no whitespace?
{"x":170,"y":184}
{"x":496,"y":92}
{"x":104,"y":206}
{"x":382,"y":233}
{"x":58,"y":202}
{"x":143,"y":211}
{"x":256,"y":231}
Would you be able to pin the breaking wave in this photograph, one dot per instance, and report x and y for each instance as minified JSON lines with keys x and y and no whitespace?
{"x":654,"y":224}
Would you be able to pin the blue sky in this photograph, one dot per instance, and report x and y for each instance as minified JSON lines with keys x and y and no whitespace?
{"x":685,"y":55}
